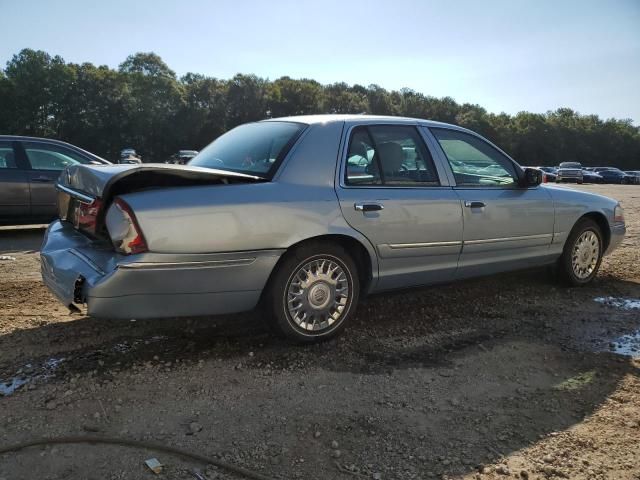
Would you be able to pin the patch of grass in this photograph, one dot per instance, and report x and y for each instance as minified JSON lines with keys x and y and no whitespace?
{"x":576,"y":383}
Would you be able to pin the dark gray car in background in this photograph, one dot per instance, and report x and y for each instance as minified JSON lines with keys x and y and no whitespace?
{"x":29,"y":168}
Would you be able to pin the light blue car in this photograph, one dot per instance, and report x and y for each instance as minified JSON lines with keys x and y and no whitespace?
{"x":303,"y":215}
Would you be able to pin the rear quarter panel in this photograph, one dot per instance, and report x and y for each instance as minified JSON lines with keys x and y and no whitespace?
{"x":299,"y":203}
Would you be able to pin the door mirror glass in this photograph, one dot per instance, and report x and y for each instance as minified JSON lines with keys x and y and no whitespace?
{"x":532,"y":177}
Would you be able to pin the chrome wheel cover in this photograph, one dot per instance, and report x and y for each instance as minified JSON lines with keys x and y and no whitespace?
{"x":317,"y":294}
{"x":585,"y":254}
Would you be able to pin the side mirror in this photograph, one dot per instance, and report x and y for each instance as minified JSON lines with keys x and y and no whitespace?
{"x":532,"y":177}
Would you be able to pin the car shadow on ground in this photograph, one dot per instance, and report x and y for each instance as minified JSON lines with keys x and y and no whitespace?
{"x":444,"y":379}
{"x":21,"y":239}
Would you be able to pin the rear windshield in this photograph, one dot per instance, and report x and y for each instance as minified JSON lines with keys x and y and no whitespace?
{"x":254,"y":148}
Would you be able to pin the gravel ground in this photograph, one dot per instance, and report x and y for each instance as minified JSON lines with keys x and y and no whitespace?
{"x":511,"y":376}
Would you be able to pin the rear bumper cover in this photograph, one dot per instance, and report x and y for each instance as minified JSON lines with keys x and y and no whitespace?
{"x":78,"y":271}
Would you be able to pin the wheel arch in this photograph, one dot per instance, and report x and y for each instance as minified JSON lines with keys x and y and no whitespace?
{"x":363,"y":255}
{"x":602,"y":222}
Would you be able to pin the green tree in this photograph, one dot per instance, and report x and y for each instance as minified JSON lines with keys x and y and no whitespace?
{"x":203,"y":114}
{"x":142,"y":104}
{"x":39,"y":86}
{"x":246,"y":99}
{"x":294,"y":97}
{"x":340,"y":98}
{"x":156,"y":99}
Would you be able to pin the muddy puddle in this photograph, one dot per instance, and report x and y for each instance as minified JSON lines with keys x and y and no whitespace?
{"x":620,"y":302}
{"x":30,"y":373}
{"x":627,"y":344}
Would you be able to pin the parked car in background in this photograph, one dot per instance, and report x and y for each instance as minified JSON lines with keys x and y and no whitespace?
{"x":29,"y":169}
{"x":569,"y":172}
{"x":550,"y":173}
{"x":635,"y":174}
{"x":182,"y":157}
{"x":589,"y":176}
{"x":129,"y":156}
{"x":614,"y":175}
{"x":274,"y":212}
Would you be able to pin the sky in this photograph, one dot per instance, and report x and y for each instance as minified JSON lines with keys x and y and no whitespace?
{"x":506,"y":55}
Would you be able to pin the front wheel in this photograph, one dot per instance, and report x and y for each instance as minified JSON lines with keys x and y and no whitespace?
{"x":313,"y":293}
{"x":582,"y":253}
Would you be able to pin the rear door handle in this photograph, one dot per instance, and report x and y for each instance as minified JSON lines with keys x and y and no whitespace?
{"x":41,"y":179}
{"x":368,"y":207}
{"x":474,"y":204}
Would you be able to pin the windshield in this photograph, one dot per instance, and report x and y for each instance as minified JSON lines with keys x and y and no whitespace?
{"x":570,"y":165}
{"x":254,"y":148}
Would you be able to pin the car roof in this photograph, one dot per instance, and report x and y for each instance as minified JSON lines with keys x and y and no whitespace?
{"x":329,"y":118}
{"x":23,"y":138}
{"x":20,"y":138}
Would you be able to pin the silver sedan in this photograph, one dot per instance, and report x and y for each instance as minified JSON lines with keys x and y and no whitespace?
{"x":303,"y":215}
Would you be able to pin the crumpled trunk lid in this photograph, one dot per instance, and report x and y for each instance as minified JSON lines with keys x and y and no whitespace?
{"x":105,"y":181}
{"x":86,"y":191}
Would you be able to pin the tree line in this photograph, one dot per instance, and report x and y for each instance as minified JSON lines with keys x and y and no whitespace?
{"x":144,"y":105}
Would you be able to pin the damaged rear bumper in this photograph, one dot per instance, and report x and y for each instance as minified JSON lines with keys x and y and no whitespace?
{"x":83,"y":273}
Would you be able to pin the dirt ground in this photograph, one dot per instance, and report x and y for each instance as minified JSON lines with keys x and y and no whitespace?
{"x":512,"y":376}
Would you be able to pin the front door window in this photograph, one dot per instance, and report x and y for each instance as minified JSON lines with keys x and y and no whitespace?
{"x":474,"y":162}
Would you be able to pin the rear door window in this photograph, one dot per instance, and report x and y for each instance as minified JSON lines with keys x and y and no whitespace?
{"x":389,"y":155}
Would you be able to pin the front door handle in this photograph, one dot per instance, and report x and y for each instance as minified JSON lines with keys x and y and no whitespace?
{"x":474,"y":204}
{"x":368,"y":207}
{"x":41,"y":179}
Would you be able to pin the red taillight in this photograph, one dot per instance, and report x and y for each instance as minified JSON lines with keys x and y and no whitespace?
{"x":87,"y":215}
{"x":124,"y":230}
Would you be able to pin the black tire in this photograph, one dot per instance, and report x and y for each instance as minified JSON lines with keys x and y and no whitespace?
{"x":276,"y":301}
{"x":565,"y":267}
{"x":580,"y":182}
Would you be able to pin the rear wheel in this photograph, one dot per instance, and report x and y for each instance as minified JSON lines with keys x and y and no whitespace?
{"x":313,"y":293}
{"x":582,"y":253}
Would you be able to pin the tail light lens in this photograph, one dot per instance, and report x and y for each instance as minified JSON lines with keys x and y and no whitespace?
{"x":124,"y":230}
{"x":86,"y":215}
